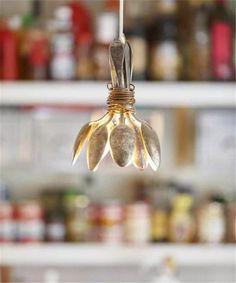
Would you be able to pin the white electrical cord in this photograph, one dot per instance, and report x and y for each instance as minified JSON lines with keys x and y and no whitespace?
{"x":121,"y":21}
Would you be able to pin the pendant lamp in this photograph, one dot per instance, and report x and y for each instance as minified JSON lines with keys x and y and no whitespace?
{"x":127,"y":138}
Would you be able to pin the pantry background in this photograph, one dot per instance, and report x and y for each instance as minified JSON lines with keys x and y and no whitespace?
{"x":60,"y":223}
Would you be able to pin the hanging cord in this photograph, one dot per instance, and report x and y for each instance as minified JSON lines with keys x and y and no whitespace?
{"x":121,"y":21}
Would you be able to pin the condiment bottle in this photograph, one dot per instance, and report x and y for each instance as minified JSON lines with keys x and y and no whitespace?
{"x":84,"y":61}
{"x":9,"y":49}
{"x":166,"y":62}
{"x":231,"y":220}
{"x":55,"y":227}
{"x":137,"y":223}
{"x":137,"y":39}
{"x":199,"y":55}
{"x":211,"y":221}
{"x":221,"y":42}
{"x":38,"y":56}
{"x":54,"y":215}
{"x":76,"y":211}
{"x":110,"y":222}
{"x":181,"y":222}
{"x":136,"y":23}
{"x":160,"y":217}
{"x":63,"y":57}
{"x":106,"y":32}
{"x":82,"y":30}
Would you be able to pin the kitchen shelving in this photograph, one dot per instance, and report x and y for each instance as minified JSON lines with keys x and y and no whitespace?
{"x":108,"y":255}
{"x":148,"y":94}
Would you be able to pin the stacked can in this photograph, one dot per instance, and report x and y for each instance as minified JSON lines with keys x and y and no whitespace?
{"x":93,"y":222}
{"x":29,"y":222}
{"x":7,"y":231}
{"x":137,"y":223}
{"x":110,"y":222}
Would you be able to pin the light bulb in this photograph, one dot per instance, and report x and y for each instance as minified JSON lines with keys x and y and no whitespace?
{"x":119,"y":131}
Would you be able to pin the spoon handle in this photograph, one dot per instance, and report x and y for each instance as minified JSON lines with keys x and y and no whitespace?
{"x":128,"y":65}
{"x":116,"y":59}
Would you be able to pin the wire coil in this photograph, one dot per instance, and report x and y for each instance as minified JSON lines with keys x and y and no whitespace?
{"x":121,"y":100}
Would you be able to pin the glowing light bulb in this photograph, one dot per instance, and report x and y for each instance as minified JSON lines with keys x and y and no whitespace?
{"x":119,"y":131}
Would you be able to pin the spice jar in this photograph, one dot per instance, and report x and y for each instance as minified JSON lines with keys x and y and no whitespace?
{"x":181,"y":222}
{"x":211,"y":221}
{"x":76,"y":211}
{"x":110,"y":222}
{"x":137,"y":223}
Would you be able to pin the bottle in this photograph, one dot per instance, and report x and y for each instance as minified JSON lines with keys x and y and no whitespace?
{"x":186,"y":19}
{"x":84,"y":62}
{"x":63,"y":58}
{"x":55,"y":226}
{"x":82,"y":30}
{"x":137,"y":39}
{"x":37,"y":44}
{"x":55,"y":229}
{"x":166,"y":7}
{"x":9,"y":49}
{"x":221,"y":43}
{"x":110,"y":222}
{"x":38,"y":56}
{"x":166,"y":62}
{"x":199,"y":55}
{"x":76,"y":212}
{"x":167,"y":273}
{"x":106,"y":32}
{"x":181,"y":222}
{"x":231,"y":220}
{"x":136,"y":29}
{"x":211,"y":220}
{"x":160,"y":217}
{"x":137,"y":223}
{"x":28,"y":22}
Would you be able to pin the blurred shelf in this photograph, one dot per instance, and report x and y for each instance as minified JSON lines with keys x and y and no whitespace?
{"x":98,"y":254}
{"x":148,"y":94}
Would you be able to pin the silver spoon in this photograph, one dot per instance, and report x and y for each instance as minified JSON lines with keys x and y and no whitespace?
{"x":116,"y":58}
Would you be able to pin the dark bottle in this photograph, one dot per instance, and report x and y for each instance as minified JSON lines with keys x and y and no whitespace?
{"x":221,"y":42}
{"x":199,"y":55}
{"x":38,"y":46}
{"x":166,"y":62}
{"x":137,"y":38}
{"x":55,"y":227}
